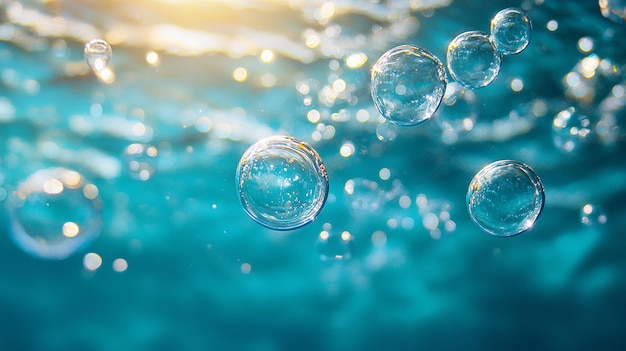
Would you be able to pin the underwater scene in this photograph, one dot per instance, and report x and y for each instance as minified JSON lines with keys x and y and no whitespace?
{"x":331,"y":175}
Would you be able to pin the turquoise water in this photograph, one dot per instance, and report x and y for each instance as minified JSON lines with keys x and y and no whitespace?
{"x":191,"y":87}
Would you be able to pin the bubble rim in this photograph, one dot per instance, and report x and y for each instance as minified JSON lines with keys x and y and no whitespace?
{"x":304,"y":151}
{"x":532,"y":177}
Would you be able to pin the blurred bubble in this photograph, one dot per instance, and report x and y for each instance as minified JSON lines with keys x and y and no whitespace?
{"x":387,"y":131}
{"x":54,"y":213}
{"x":615,"y":10}
{"x":334,"y":246}
{"x":408,"y":83}
{"x":141,"y":160}
{"x":364,"y":197}
{"x":458,"y":112}
{"x":571,"y":130}
{"x":510,"y":31}
{"x":505,"y":198}
{"x":592,"y":215}
{"x":92,"y":261}
{"x":282,"y":182}
{"x":473,"y":60}
{"x":98,"y":54}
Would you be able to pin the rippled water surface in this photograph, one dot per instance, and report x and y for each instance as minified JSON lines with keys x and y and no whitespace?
{"x":393,"y":261}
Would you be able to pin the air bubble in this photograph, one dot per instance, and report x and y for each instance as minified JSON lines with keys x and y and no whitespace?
{"x":282,"y":182}
{"x":505,"y":198}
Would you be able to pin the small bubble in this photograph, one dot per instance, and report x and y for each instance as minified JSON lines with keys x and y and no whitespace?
{"x":98,"y":54}
{"x":510,"y":31}
{"x":571,"y":131}
{"x":505,"y":198}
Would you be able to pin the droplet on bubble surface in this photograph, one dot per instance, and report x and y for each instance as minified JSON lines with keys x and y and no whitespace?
{"x":473,"y":60}
{"x":510,"y":31}
{"x":505,"y":198}
{"x":54,"y":213}
{"x":334,"y":246}
{"x":282,"y":182}
{"x":407,"y":84}
{"x":98,"y":54}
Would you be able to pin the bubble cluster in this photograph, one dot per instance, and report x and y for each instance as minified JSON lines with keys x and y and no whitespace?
{"x":473,"y":60}
{"x":282,"y":182}
{"x":98,"y":54}
{"x":54,"y":213}
{"x":408,"y":83}
{"x":505,"y":198}
{"x":510,"y":31}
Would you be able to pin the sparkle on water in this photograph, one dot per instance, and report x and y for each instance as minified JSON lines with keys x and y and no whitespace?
{"x":510,"y":31}
{"x":334,"y":246}
{"x":54,"y":213}
{"x":505,"y":198}
{"x":282,"y":182}
{"x":407,"y":84}
{"x":473,"y":60}
{"x":98,"y":54}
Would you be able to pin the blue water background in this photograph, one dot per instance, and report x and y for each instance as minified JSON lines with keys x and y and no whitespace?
{"x":185,"y":236}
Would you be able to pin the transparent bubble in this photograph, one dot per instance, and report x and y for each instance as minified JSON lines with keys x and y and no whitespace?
{"x":505,"y":198}
{"x":54,"y":213}
{"x":98,"y":54}
{"x":387,"y":131}
{"x":141,"y":160}
{"x":408,"y":83}
{"x":458,"y":112}
{"x":510,"y":31}
{"x":571,"y":130}
{"x":473,"y":60}
{"x":615,"y":10}
{"x":282,"y":182}
{"x":593,"y":215}
{"x":334,"y":246}
{"x":364,"y":197}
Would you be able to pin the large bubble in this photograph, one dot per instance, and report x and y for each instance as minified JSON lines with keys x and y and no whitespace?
{"x":408,"y":84}
{"x":282,"y":182}
{"x":54,"y":213}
